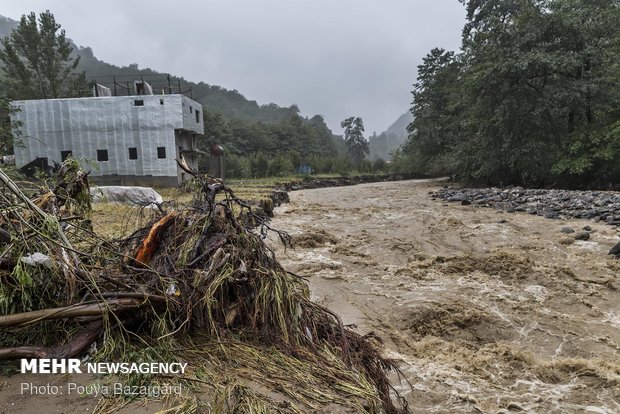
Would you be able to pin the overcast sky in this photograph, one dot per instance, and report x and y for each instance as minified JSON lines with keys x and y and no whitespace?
{"x":337,"y":58}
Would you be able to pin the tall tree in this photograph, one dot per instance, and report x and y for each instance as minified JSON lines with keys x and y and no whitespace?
{"x":10,"y":130}
{"x":532,"y":98}
{"x":354,"y":138}
{"x":37,"y":60}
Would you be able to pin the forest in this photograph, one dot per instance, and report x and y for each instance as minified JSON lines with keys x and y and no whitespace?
{"x":532,"y":98}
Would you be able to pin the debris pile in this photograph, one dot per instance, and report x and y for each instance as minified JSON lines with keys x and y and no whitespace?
{"x":194,"y":284}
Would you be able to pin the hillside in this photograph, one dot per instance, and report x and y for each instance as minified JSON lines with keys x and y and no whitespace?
{"x":241,"y":125}
{"x":6,"y":26}
{"x":382,"y":145}
{"x":228,"y":103}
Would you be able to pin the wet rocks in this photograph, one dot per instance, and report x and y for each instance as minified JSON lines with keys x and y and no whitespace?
{"x":582,"y":235}
{"x":615,"y":251}
{"x":601,"y":206}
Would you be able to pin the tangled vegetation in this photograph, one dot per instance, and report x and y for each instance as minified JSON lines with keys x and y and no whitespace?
{"x":195,"y":284}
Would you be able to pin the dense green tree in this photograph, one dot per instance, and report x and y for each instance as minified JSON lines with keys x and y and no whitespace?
{"x":37,"y":60}
{"x":9,"y":130}
{"x":531,"y":99}
{"x":357,"y":145}
{"x":437,"y":107}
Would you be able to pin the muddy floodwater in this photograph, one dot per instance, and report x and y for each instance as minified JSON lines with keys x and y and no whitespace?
{"x":488,"y":311}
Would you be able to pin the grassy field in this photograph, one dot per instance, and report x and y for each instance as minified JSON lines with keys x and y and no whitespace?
{"x":115,"y":220}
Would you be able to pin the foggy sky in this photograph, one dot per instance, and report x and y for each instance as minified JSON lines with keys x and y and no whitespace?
{"x":337,"y":58}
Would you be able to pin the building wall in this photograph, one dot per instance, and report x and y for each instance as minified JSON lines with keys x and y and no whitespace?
{"x":115,"y":124}
{"x":193,"y":119}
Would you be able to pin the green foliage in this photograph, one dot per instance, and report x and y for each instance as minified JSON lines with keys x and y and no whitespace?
{"x":532,"y":98}
{"x":379,"y":165}
{"x":281,"y":166}
{"x":10,"y":133}
{"x":259,"y":165}
{"x":357,"y":145}
{"x":37,"y":60}
{"x":257,"y":149}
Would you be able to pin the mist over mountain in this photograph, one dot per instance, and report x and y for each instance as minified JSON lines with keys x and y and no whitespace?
{"x":241,"y":125}
{"x":6,"y":26}
{"x":228,"y":103}
{"x":382,"y":145}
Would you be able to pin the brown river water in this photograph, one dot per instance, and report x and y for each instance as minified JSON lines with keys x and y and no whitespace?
{"x":489,"y":312}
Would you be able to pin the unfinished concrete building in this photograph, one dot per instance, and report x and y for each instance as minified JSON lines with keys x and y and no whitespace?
{"x":123,"y":140}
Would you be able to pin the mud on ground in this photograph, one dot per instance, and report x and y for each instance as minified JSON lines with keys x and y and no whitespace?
{"x":490,"y":312}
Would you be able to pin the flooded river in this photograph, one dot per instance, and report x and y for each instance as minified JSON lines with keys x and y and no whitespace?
{"x":488,"y":311}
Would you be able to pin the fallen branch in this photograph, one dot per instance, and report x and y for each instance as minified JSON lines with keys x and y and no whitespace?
{"x":93,"y":309}
{"x":75,"y":347}
{"x":151,"y":242}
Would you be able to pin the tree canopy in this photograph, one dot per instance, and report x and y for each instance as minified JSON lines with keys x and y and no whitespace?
{"x":533,"y":97}
{"x":357,"y":145}
{"x":38,"y":62}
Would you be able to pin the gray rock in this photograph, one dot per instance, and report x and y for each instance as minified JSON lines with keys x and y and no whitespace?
{"x":582,"y":235}
{"x":587,"y":228}
{"x":567,"y":230}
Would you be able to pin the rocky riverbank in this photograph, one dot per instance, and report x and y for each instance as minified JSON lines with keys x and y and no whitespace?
{"x":310,"y":183}
{"x":600,"y":206}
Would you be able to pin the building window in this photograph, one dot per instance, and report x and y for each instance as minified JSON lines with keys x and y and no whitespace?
{"x":190,"y":109}
{"x":133,"y":153}
{"x":197,"y":116}
{"x":65,"y":154}
{"x":138,"y":102}
{"x":161,"y":152}
{"x":102,"y":155}
{"x":161,"y":101}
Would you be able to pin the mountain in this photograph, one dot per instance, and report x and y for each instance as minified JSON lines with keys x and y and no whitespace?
{"x":6,"y":26}
{"x":382,"y":145}
{"x":241,"y":125}
{"x":216,"y":99}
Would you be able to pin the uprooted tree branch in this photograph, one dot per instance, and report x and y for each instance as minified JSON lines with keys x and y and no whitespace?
{"x":196,"y":283}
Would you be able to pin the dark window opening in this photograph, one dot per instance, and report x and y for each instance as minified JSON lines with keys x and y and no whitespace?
{"x":65,"y":154}
{"x":161,"y":101}
{"x":161,"y":152}
{"x":198,"y":116}
{"x":102,"y":155}
{"x":133,"y":153}
{"x":190,"y":109}
{"x":138,"y":102}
